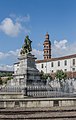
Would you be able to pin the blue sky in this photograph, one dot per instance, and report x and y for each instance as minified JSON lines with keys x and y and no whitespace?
{"x":19,"y":18}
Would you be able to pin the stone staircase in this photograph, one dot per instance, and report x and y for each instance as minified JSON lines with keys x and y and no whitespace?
{"x":53,"y":113}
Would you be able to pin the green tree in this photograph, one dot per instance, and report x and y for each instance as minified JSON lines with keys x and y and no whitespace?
{"x":44,"y":76}
{"x":3,"y":74}
{"x":60,"y":75}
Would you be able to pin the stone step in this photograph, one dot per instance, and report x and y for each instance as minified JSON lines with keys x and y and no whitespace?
{"x":59,"y":113}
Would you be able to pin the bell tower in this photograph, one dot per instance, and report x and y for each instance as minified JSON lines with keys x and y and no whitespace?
{"x":47,"y":47}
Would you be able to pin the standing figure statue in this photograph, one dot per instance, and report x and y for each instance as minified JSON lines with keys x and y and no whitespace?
{"x":26,"y":48}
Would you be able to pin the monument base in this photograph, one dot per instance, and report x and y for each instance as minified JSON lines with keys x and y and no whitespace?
{"x":25,"y":71}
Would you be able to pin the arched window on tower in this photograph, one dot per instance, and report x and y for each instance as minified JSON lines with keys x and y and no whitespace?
{"x":47,"y":51}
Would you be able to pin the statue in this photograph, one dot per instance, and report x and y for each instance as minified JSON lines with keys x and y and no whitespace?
{"x":26,"y":48}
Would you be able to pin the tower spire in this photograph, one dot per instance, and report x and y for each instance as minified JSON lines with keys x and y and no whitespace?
{"x":47,"y":36}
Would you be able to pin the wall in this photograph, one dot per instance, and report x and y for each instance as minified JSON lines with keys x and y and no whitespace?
{"x":11,"y":95}
{"x":37,"y":102}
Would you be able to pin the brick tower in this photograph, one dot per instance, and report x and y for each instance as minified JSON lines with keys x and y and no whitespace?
{"x":47,"y":47}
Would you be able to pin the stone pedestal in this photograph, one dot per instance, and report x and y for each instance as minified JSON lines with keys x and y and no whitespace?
{"x":25,"y":71}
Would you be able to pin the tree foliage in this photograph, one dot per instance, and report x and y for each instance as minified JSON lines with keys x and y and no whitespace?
{"x":61,"y":75}
{"x":45,"y":76}
{"x":4,"y":74}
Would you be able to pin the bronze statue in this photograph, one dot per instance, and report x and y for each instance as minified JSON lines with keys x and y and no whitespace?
{"x":26,"y":48}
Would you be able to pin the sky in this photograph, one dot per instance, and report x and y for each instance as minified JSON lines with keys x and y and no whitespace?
{"x":35,"y":18}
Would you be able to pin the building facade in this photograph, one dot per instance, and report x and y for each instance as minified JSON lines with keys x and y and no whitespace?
{"x":51,"y":65}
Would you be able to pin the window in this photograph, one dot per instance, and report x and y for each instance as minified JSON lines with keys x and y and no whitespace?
{"x":58,"y":63}
{"x":65,"y":70}
{"x":73,"y":69}
{"x":47,"y":51}
{"x":45,"y":46}
{"x":65,"y":62}
{"x":52,"y":65}
{"x":73,"y":61}
{"x":42,"y":65}
{"x":52,"y":71}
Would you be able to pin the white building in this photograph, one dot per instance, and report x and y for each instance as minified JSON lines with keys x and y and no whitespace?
{"x":51,"y":65}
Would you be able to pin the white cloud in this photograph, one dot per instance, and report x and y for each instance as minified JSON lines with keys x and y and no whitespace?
{"x":23,"y":18}
{"x":10,"y":55}
{"x":63,"y":48}
{"x":60,"y":44}
{"x":14,"y":53}
{"x":71,"y":48}
{"x":37,"y":53}
{"x":9,"y":27}
{"x":13,"y":25}
{"x":6,"y":67}
{"x":4,"y":55}
{"x":20,"y":18}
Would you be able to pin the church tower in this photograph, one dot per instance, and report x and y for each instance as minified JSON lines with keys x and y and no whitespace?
{"x":47,"y":47}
